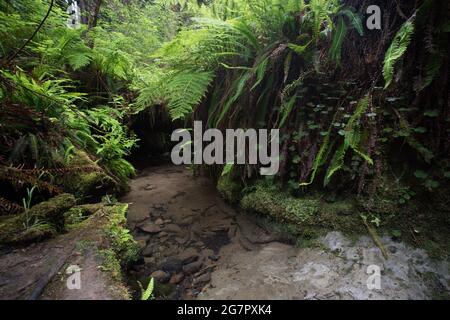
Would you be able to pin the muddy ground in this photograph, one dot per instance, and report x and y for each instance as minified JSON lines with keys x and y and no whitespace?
{"x":197,"y":246}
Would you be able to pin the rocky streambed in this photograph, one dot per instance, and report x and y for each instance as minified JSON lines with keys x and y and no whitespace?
{"x":198,"y":247}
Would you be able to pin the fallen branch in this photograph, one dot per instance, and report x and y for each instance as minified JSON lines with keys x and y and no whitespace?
{"x":375,"y":237}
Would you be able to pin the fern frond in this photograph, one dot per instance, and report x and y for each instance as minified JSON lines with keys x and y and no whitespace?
{"x":351,"y":141}
{"x":338,"y":39}
{"x":397,"y":49}
{"x":354,"y":18}
{"x":185,"y":91}
{"x":8,"y":207}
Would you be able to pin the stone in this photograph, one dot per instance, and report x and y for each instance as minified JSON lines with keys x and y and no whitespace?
{"x":172,"y":265}
{"x":181,"y":240}
{"x":173,"y":228}
{"x":192,"y":267}
{"x":148,"y":251}
{"x":206,"y":253}
{"x":149,"y":260}
{"x":232,"y":232}
{"x":176,"y":278}
{"x":392,"y":249}
{"x":214,"y":257}
{"x":163,"y":234}
{"x":141,"y":243}
{"x":160,"y":276}
{"x":189,"y":255}
{"x":204,"y":278}
{"x":170,"y":252}
{"x":159,"y":221}
{"x":150,"y":227}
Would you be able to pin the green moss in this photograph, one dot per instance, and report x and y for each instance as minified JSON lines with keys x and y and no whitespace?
{"x":39,"y":222}
{"x":304,"y":218}
{"x":111,"y":263}
{"x":121,"y":241}
{"x":229,"y":189}
{"x":269,"y":201}
{"x":92,"y":185}
{"x":89,"y":184}
{"x":78,"y":214}
{"x":37,"y":232}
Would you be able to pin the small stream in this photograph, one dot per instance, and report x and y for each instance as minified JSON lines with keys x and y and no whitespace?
{"x":198,"y":247}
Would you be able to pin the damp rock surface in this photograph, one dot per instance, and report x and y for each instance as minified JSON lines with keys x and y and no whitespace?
{"x":211,"y":251}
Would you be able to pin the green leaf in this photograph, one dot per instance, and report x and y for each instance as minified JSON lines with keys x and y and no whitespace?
{"x":397,"y":49}
{"x":355,"y":20}
{"x":338,"y":40}
{"x":431,"y":113}
{"x":420,"y":174}
{"x":227,"y":169}
{"x":146,"y":294}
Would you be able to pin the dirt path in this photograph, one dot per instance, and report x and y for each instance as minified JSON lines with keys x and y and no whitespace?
{"x":199,"y":247}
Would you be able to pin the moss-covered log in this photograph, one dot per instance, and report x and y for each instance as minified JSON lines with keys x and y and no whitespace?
{"x":90,"y":184}
{"x":39,"y":222}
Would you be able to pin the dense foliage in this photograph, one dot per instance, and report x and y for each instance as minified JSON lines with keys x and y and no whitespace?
{"x":364,"y":111}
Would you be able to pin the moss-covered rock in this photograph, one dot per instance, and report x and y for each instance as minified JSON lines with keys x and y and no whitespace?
{"x":270,"y":201}
{"x":308,"y":217}
{"x":39,"y":222}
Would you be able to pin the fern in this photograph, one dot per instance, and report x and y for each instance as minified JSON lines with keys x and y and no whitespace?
{"x":320,"y":159}
{"x":338,"y":39}
{"x":354,"y":18}
{"x":351,"y":141}
{"x":147,"y":293}
{"x":185,"y":91}
{"x":397,"y":49}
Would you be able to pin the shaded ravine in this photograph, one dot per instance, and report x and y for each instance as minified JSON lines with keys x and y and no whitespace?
{"x":197,"y":246}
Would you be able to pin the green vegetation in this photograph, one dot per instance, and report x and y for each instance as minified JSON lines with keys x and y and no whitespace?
{"x":363,"y":114}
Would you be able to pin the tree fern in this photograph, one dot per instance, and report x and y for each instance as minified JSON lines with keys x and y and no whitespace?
{"x":397,"y":49}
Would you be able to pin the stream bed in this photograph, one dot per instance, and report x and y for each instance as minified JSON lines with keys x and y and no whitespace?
{"x":196,"y":246}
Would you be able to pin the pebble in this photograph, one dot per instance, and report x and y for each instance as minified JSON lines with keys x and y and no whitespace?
{"x":176,"y":278}
{"x":189,"y":255}
{"x":149,"y":227}
{"x":149,"y":260}
{"x":148,"y":251}
{"x":192,"y":267}
{"x":392,"y":249}
{"x":159,"y":221}
{"x":173,"y":228}
{"x":160,"y":276}
{"x":202,"y":279}
{"x":172,"y":265}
